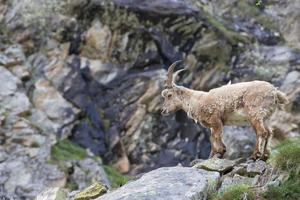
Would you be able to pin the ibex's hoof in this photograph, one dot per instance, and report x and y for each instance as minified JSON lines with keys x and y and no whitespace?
{"x":263,"y":158}
{"x":218,"y":155}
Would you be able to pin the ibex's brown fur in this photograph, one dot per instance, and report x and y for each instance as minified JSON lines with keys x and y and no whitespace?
{"x":234,"y":104}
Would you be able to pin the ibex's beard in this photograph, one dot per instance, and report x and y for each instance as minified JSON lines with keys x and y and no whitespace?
{"x":164,"y":111}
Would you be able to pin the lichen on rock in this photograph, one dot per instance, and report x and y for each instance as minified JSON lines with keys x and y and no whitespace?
{"x":93,"y":191}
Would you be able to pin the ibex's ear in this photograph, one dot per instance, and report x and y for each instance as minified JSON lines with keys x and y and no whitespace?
{"x":163,"y":93}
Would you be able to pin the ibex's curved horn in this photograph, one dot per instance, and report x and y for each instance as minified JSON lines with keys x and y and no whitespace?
{"x":176,"y":74}
{"x":170,"y":74}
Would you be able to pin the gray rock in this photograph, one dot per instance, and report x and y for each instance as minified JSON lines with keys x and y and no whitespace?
{"x":3,"y":155}
{"x":250,"y":169}
{"x":167,"y":183}
{"x":89,"y":170}
{"x":21,"y":72}
{"x":16,"y":104}
{"x":287,"y":14}
{"x":52,"y":194}
{"x":291,"y":82}
{"x":236,"y":180}
{"x":239,"y":141}
{"x":39,"y":119}
{"x":256,"y":167}
{"x":12,"y":101}
{"x":50,"y":101}
{"x":12,"y":56}
{"x":8,"y":84}
{"x":216,"y":164}
{"x":102,"y":72}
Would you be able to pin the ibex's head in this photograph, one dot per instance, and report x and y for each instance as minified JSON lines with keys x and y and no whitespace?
{"x":172,"y":92}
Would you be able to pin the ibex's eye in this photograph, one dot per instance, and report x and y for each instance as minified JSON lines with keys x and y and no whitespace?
{"x":169,"y":95}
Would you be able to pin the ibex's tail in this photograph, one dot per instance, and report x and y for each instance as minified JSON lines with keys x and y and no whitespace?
{"x":281,"y":99}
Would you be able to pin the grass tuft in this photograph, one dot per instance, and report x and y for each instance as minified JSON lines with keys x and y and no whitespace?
{"x":286,"y":158}
{"x":66,"y":150}
{"x":116,"y":178}
{"x":236,"y":192}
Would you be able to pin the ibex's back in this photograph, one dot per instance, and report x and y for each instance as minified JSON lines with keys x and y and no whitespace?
{"x":236,"y":104}
{"x":240,"y":102}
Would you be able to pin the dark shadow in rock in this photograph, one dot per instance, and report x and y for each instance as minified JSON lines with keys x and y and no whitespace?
{"x":166,"y":49}
{"x":158,"y":8}
{"x":89,"y":137}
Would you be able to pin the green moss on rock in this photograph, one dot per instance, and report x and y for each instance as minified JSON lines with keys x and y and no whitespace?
{"x":91,"y":192}
{"x":248,"y":10}
{"x":66,"y":150}
{"x":71,"y":185}
{"x":116,"y":179}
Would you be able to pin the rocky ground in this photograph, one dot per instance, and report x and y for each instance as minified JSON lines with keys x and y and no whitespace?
{"x":211,"y":179}
{"x":91,"y":72}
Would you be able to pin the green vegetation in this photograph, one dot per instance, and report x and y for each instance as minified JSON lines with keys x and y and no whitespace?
{"x":252,"y":11}
{"x":71,"y":185}
{"x":66,"y":150}
{"x":106,"y":124}
{"x":232,"y":36}
{"x":288,"y":190}
{"x":236,"y":192}
{"x":116,"y":179}
{"x":286,"y":158}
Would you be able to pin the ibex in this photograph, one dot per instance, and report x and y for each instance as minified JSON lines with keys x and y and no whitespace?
{"x":232,"y":104}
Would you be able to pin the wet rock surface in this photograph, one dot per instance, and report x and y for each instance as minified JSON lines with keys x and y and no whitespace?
{"x":92,"y":72}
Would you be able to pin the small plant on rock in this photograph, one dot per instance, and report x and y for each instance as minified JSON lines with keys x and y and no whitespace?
{"x":236,"y":192}
{"x":286,"y":158}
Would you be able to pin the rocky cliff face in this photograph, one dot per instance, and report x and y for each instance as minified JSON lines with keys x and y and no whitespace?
{"x":92,"y":72}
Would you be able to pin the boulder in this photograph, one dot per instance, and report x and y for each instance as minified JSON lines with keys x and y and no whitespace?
{"x":167,"y":183}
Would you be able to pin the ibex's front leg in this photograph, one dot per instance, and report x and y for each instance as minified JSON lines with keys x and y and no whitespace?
{"x":217,"y":146}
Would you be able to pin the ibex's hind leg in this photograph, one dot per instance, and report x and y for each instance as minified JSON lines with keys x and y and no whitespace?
{"x":266,"y":154}
{"x":262,"y":135}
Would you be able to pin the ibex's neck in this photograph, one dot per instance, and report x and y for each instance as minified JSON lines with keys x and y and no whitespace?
{"x":189,"y":100}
